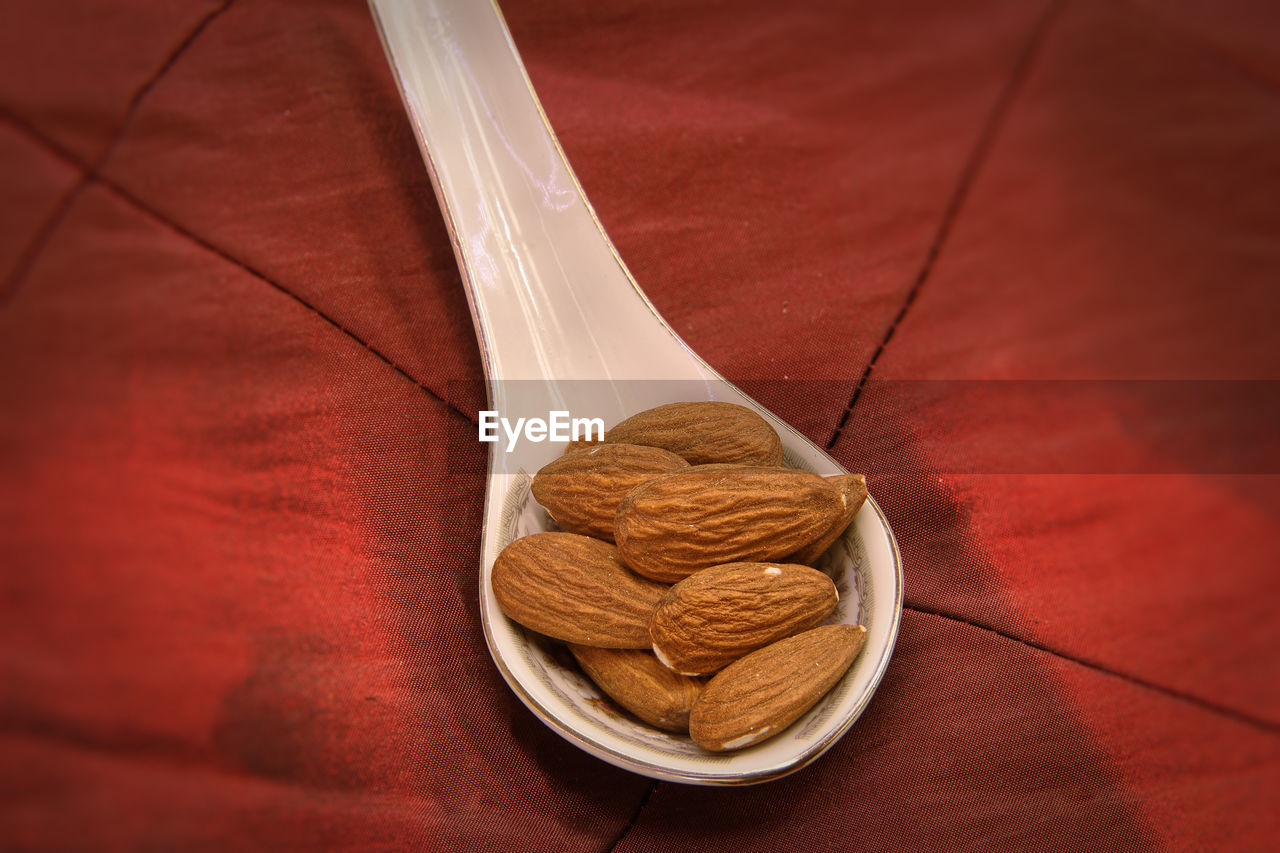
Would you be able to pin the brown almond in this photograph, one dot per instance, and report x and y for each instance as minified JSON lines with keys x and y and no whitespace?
{"x":671,"y":526}
{"x":853,"y":491}
{"x":758,"y":696}
{"x":582,"y":490}
{"x":703,"y":432}
{"x":638,"y":682}
{"x":575,"y":588}
{"x":577,"y":444}
{"x":712,"y":618}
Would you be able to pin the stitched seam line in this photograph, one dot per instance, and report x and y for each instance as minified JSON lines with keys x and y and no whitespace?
{"x":93,"y":176}
{"x":149,"y":84}
{"x":1203,"y":704}
{"x":26,"y":260}
{"x":231,"y":259}
{"x":36,"y":245}
{"x":644,"y":801}
{"x":977,"y":157}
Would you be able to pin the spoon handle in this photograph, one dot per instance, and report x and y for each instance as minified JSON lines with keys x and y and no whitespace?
{"x":550,"y":298}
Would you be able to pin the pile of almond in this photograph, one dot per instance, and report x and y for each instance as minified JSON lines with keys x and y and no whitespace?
{"x":682,"y":583}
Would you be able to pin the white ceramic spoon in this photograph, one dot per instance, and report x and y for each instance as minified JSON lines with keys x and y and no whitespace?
{"x":563,"y":327}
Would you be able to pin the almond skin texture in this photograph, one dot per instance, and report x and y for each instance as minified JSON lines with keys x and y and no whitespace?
{"x":853,"y":489}
{"x":637,"y":682}
{"x":575,"y":588}
{"x":712,"y":618}
{"x":761,"y":694}
{"x":582,"y":490}
{"x":671,"y":526}
{"x":704,"y":432}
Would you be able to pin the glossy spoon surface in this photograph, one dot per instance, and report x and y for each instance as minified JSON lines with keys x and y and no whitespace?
{"x":563,"y":327}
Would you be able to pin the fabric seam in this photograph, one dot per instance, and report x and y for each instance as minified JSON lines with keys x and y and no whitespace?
{"x":968,"y":174}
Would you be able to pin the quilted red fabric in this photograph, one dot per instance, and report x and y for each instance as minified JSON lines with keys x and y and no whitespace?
{"x":1018,"y":260}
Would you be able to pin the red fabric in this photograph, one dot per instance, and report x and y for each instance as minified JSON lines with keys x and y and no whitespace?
{"x":239,"y":508}
{"x":34,"y":181}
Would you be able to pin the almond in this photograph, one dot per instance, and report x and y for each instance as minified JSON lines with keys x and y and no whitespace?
{"x":853,"y":491}
{"x":639,"y":683}
{"x":671,"y":526}
{"x":582,"y":490}
{"x":575,"y":588}
{"x":714,"y":617}
{"x":761,"y":694}
{"x":580,"y":444}
{"x":703,"y":432}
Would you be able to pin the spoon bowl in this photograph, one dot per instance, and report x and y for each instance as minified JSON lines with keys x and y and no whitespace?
{"x":563,"y":327}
